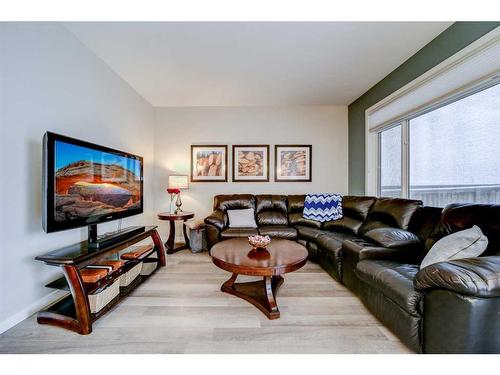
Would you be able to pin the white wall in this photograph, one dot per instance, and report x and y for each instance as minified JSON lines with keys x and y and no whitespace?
{"x":50,"y":81}
{"x":325,"y":127}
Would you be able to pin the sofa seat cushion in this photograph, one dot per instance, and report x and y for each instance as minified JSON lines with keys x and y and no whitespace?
{"x":239,"y":232}
{"x":308,"y":233}
{"x":280,"y":231}
{"x":394,"y":280}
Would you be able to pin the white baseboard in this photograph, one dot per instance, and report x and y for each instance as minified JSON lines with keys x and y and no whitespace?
{"x":30,"y":310}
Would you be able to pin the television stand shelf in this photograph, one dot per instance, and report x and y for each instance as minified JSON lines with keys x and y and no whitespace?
{"x":73,"y":311}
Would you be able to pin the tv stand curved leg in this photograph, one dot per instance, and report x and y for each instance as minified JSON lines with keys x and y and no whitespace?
{"x":160,"y":250}
{"x":82,"y":322}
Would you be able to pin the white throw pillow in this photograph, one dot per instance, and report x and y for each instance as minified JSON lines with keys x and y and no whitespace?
{"x":242,"y":218}
{"x":466,"y":243}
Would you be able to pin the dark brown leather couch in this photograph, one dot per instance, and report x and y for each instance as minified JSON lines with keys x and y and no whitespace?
{"x":376,"y":249}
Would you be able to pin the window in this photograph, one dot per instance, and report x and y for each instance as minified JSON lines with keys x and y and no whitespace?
{"x":453,"y":153}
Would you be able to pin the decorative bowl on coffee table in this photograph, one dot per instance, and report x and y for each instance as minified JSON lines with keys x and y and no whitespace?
{"x":259,"y":242}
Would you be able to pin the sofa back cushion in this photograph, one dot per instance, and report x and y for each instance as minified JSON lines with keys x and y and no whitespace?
{"x":423,"y":223}
{"x":355,"y":210}
{"x":271,"y":209}
{"x":295,"y":210}
{"x":226,"y":202}
{"x":460,"y":216}
{"x":390,"y":213}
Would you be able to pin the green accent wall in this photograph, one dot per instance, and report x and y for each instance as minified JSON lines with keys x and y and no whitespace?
{"x":446,"y":44}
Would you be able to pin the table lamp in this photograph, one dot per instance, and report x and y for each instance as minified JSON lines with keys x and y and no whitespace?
{"x":178,"y":182}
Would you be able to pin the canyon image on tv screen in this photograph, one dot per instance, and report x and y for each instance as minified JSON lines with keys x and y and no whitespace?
{"x":86,"y":184}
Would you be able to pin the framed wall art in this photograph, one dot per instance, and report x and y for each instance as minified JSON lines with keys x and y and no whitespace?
{"x":293,"y":163}
{"x":250,"y":163}
{"x":208,"y":163}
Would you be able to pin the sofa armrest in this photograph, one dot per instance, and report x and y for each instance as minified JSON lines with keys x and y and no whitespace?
{"x":363,"y":250}
{"x":478,"y":277}
{"x":392,"y":237}
{"x":216,"y":219}
{"x":384,"y":253}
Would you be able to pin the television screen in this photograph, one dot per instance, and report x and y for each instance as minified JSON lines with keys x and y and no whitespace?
{"x":86,"y":183}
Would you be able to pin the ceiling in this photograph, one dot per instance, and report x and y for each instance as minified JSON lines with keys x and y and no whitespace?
{"x":254,"y":63}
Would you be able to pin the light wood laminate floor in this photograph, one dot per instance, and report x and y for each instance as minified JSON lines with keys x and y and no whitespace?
{"x":181,"y":309}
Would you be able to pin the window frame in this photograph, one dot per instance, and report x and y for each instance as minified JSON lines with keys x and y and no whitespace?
{"x":404,"y":155}
{"x":404,"y":121}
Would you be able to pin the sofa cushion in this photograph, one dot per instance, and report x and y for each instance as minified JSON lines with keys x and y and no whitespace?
{"x":467,"y":243}
{"x":226,"y":202}
{"x":394,"y":280}
{"x":355,"y":210}
{"x":239,"y":232}
{"x":280,"y":231}
{"x":295,"y":211}
{"x":390,"y":212}
{"x":271,"y":210}
{"x":308,"y":233}
{"x":244,"y":218}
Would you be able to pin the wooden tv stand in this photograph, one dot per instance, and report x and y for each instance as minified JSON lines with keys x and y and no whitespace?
{"x":73,"y":311}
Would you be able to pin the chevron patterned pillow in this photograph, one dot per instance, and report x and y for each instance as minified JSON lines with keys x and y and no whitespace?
{"x":323,"y":207}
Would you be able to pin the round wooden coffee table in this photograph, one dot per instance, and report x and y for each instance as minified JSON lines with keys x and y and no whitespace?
{"x":237,"y":256}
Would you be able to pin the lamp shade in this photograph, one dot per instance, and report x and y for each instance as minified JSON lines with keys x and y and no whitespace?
{"x":178,"y":182}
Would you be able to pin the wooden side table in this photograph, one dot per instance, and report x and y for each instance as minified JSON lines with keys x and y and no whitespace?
{"x":172,"y":218}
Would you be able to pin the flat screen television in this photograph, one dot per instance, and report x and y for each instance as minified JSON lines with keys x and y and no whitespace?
{"x":85,"y":184}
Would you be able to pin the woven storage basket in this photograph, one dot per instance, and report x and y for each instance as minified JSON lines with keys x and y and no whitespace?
{"x":149,"y":267}
{"x":99,"y":300}
{"x":130,"y":275}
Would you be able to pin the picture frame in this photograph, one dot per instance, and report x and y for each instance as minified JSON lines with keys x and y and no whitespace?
{"x":293,"y":163}
{"x":250,"y":163}
{"x":208,"y":163}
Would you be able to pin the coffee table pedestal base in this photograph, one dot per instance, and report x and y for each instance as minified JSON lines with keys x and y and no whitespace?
{"x":261,"y":294}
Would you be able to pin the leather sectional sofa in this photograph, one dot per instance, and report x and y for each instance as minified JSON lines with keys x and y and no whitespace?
{"x":376,"y":249}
